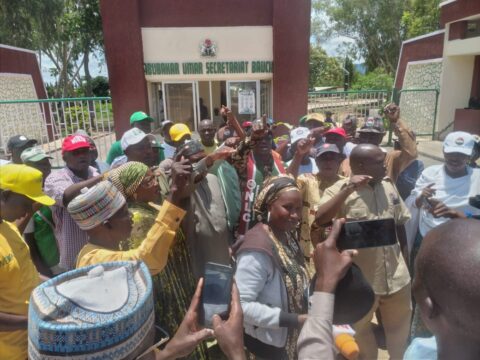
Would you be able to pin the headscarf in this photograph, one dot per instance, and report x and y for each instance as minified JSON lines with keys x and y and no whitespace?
{"x":128,"y":177}
{"x":271,"y":191}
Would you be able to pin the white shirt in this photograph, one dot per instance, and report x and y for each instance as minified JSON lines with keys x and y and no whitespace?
{"x":347,"y":149}
{"x":453,"y":192}
{"x":306,"y":169}
{"x":168,"y":150}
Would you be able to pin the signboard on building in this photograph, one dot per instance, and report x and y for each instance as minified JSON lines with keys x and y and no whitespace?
{"x":208,"y":67}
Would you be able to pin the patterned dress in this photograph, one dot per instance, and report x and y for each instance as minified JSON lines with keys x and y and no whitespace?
{"x":175,"y":285}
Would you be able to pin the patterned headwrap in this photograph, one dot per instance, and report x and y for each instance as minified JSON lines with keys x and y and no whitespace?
{"x":128,"y":177}
{"x":271,"y":191}
{"x":95,"y":205}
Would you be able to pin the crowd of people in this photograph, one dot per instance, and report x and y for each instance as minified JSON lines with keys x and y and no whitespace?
{"x":106,"y":260}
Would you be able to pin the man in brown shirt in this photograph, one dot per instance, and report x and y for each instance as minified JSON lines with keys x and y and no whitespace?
{"x":369,"y":195}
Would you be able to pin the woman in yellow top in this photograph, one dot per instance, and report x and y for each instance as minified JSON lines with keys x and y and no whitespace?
{"x":102,"y":212}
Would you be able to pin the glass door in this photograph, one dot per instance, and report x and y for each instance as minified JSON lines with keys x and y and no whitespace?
{"x":180,"y":102}
{"x":243,"y":98}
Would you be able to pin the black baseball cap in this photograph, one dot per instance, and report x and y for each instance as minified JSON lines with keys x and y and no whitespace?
{"x":324,"y":148}
{"x":19,"y":141}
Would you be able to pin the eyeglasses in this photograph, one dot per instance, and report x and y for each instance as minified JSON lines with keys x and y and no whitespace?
{"x":149,"y":181}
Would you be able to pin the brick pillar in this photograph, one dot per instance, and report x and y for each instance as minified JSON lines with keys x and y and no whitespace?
{"x":291,"y":51}
{"x":124,"y":56}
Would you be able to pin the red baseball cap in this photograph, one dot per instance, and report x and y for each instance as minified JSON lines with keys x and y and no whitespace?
{"x":74,"y":142}
{"x":339,"y":131}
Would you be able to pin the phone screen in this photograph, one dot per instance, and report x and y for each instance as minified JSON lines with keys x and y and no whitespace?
{"x":366,"y":234}
{"x":217,"y":291}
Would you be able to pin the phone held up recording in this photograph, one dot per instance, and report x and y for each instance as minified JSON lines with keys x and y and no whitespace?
{"x":216,"y":293}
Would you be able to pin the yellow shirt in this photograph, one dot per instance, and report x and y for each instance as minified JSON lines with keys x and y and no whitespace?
{"x":153,"y":250}
{"x":312,"y":188}
{"x":18,"y":277}
{"x":384,"y":267}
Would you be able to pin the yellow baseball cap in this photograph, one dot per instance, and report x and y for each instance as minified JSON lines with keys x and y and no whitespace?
{"x":177,"y":131}
{"x":24,"y":180}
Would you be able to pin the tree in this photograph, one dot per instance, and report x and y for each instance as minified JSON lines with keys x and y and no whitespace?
{"x":375,"y":26}
{"x":66,"y":31}
{"x":420,"y":17}
{"x":324,"y":70}
{"x":377,"y":79}
{"x":350,"y":75}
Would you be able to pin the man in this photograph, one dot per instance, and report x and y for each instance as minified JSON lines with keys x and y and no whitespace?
{"x":139,"y":120}
{"x":63,"y":185}
{"x":101,"y":166}
{"x":316,"y":124}
{"x":205,"y":227}
{"x":207,"y":132}
{"x":373,"y":132}
{"x":39,"y":232}
{"x":120,"y":301}
{"x":312,"y":187}
{"x":254,"y":161}
{"x":15,"y":146}
{"x":447,"y":292}
{"x":301,"y":144}
{"x":168,"y":148}
{"x":369,"y":195}
{"x":137,"y":146}
{"x":20,"y":188}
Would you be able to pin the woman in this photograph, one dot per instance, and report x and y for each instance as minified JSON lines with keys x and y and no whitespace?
{"x":271,"y":274}
{"x":175,"y":285}
{"x":137,"y":183}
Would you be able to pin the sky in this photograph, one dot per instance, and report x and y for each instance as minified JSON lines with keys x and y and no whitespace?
{"x":96,"y":68}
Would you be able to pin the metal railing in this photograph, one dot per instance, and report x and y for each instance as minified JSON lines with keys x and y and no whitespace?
{"x":50,"y":120}
{"x":360,"y":102}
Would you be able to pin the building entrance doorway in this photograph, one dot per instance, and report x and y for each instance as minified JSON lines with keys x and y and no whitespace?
{"x":189,"y":102}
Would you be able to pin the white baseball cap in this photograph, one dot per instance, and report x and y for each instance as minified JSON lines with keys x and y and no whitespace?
{"x":459,"y":142}
{"x":132,"y":137}
{"x":299,"y":134}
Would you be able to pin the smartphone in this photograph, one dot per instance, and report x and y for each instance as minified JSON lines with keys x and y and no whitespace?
{"x":216,"y":293}
{"x":367,"y":234}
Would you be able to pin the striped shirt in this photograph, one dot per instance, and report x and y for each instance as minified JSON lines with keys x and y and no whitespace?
{"x":70,"y":237}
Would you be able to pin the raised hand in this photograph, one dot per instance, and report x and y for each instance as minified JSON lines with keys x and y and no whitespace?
{"x":189,"y":333}
{"x":392,"y":112}
{"x":304,"y":146}
{"x":359,"y":181}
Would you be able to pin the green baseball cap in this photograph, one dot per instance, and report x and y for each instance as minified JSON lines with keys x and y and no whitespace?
{"x":33,"y":154}
{"x":139,"y":116}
